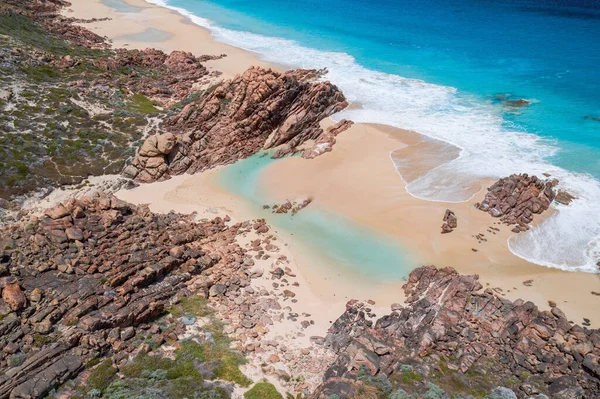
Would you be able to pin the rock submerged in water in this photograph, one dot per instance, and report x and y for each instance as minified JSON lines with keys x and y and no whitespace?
{"x":515,"y":199}
{"x":292,"y":207}
{"x":563,"y":197}
{"x":506,"y":99}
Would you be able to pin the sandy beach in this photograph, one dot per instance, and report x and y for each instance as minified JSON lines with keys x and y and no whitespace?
{"x":357,"y":180}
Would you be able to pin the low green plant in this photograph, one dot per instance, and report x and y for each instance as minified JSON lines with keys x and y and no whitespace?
{"x":143,"y":104}
{"x":194,"y":305}
{"x":263,"y":390}
{"x":101,"y":376}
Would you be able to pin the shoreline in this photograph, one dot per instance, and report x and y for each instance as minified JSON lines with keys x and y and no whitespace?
{"x":502,"y":269}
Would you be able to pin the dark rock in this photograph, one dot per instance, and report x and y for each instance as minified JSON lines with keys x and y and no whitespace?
{"x":515,"y":199}
{"x":450,"y":222}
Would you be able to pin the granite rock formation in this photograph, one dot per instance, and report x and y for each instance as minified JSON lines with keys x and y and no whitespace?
{"x":259,"y":109}
{"x":455,"y":335}
{"x":517,"y":198}
{"x":79,"y":283}
{"x":326,"y":140}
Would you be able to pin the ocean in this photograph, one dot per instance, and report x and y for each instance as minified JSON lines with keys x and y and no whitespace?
{"x":453,"y":70}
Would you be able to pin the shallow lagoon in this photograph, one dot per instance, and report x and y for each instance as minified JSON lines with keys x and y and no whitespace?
{"x":336,"y":240}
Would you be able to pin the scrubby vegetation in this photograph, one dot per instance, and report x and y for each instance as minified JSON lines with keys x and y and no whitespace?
{"x":263,"y":390}
{"x":52,"y":131}
{"x":408,"y":382}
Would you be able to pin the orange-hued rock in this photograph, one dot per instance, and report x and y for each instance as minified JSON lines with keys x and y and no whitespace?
{"x":14,"y":297}
{"x":259,"y":109}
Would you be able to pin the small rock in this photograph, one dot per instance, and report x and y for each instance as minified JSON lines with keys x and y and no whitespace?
{"x":36,"y":295}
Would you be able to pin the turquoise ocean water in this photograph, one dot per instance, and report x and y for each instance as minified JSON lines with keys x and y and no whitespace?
{"x":441,"y":67}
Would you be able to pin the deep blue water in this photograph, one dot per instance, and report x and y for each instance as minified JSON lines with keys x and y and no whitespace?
{"x":441,"y":67}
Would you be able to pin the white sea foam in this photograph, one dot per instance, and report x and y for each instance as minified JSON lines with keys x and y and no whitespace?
{"x":569,"y":240}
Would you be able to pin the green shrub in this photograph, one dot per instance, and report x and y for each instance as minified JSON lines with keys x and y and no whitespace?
{"x":263,"y":390}
{"x":101,"y":376}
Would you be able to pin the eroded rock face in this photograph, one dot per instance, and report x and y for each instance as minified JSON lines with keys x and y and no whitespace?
{"x":515,"y":199}
{"x":326,"y":140}
{"x":450,"y":324}
{"x":259,"y":109}
{"x":91,"y":267}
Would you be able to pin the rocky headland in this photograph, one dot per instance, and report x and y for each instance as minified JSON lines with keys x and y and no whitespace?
{"x":259,"y":109}
{"x":517,"y":198}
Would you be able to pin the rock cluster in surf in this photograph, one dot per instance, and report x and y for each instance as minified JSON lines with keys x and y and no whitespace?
{"x":515,"y":199}
{"x":259,"y":109}
{"x":468,"y":340}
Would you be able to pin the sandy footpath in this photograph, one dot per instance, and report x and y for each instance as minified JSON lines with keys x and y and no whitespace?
{"x":357,"y":180}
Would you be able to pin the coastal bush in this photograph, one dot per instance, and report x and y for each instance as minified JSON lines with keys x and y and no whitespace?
{"x":156,"y":376}
{"x":143,"y":104}
{"x":434,"y":392}
{"x":101,"y":376}
{"x":16,"y":360}
{"x":381,"y":382}
{"x":28,"y":32}
{"x":194,"y":305}
{"x":263,"y":390}
{"x":366,"y":391}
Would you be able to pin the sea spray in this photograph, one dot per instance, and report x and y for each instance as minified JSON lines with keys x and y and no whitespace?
{"x":491,"y":146}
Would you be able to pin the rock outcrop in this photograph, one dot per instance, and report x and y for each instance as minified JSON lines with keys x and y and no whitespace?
{"x":453,"y":334}
{"x":515,"y":199}
{"x":292,"y":207}
{"x":450,"y":222}
{"x":75,"y":280}
{"x":172,"y":75}
{"x":259,"y":109}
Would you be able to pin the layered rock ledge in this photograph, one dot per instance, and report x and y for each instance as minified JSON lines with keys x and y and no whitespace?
{"x":453,"y":334}
{"x":79,"y":283}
